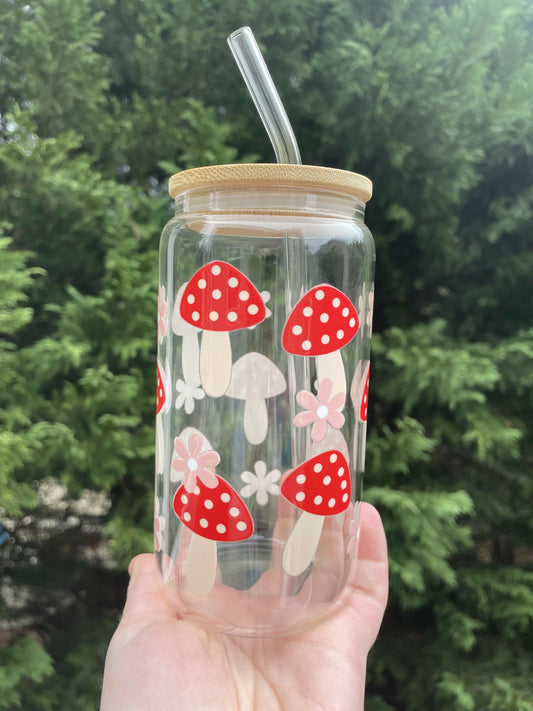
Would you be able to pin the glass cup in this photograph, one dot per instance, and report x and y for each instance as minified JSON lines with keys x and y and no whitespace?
{"x":264,"y":325}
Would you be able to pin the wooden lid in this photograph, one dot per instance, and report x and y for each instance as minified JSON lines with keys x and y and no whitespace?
{"x":273,"y":174}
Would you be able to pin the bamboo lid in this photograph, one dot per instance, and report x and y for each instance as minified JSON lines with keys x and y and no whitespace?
{"x":272,"y":174}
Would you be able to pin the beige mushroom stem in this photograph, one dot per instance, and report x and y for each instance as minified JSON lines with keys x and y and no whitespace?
{"x":215,"y":362}
{"x":189,"y":359}
{"x":255,"y":420}
{"x":302,"y":543}
{"x":201,"y":564}
{"x":331,"y":366}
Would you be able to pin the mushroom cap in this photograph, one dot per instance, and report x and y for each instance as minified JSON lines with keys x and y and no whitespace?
{"x":161,"y":395}
{"x":321,"y":485}
{"x":255,"y":377}
{"x":323,"y":321}
{"x":179,"y":325}
{"x":359,"y":391}
{"x":220,"y":298}
{"x":218,"y":513}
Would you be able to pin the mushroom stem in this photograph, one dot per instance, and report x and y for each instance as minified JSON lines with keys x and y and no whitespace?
{"x":302,"y":543}
{"x":255,"y":420}
{"x":190,"y":359}
{"x":330,"y":366}
{"x":215,"y":362}
{"x":201,"y":564}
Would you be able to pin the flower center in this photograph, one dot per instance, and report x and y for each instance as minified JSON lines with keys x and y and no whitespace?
{"x":322,"y":412}
{"x":192,"y":464}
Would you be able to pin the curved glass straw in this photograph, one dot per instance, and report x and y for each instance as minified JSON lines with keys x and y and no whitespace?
{"x":264,"y":94}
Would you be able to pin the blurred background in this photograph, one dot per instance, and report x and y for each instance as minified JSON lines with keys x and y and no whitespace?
{"x":100,"y":102}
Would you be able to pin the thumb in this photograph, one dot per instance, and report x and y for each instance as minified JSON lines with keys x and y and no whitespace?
{"x":147,"y":595}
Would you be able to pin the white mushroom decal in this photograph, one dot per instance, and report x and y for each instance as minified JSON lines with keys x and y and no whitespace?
{"x":319,"y":487}
{"x":254,"y":378}
{"x":212,"y":514}
{"x":323,"y":321}
{"x":189,"y":349}
{"x":219,"y":299}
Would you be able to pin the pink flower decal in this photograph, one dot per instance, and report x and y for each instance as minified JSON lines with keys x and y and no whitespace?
{"x":162,"y":315}
{"x":320,"y":411}
{"x":191,"y":463}
{"x":159,"y":527}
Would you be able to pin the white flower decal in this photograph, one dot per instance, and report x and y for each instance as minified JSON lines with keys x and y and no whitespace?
{"x":188,"y":393}
{"x":260,"y":483}
{"x":366,"y":307}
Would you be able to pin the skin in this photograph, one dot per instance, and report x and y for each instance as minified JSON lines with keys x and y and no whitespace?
{"x":156,"y":660}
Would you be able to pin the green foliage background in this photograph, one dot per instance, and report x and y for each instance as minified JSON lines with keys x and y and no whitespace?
{"x":100,"y":100}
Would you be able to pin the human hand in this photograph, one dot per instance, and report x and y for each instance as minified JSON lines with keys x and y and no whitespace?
{"x":156,"y":660}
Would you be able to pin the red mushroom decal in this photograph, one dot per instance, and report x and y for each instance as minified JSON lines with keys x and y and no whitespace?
{"x":212,"y":514}
{"x":323,"y":321}
{"x":162,"y":405}
{"x":359,"y":395}
{"x":219,"y":299}
{"x":319,"y":487}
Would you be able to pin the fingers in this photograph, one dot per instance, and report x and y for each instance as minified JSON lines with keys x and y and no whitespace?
{"x":147,"y":595}
{"x":370,"y":581}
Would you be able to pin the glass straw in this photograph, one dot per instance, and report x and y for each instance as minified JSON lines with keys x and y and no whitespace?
{"x":264,"y":94}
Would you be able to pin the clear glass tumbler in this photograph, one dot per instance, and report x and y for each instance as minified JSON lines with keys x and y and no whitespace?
{"x":264,"y":324}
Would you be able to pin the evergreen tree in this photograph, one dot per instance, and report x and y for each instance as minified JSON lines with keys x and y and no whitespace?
{"x":99,"y":102}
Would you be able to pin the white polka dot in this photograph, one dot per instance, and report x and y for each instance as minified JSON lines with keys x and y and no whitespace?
{"x":234,"y":511}
{"x":352,"y":322}
{"x":300,"y":496}
{"x":317,"y":468}
{"x":215,"y":269}
{"x":325,"y":339}
{"x":324,"y":317}
{"x":306,"y":345}
{"x":161,"y":392}
{"x":216,"y":294}
{"x":221,"y":528}
{"x":319,"y":294}
{"x":308,"y":311}
{"x":345,"y":311}
{"x":336,"y":302}
{"x":341,"y":471}
{"x":225,"y":498}
{"x":253,"y":309}
{"x":196,"y":490}
{"x":195,"y":316}
{"x":233,"y":282}
{"x":317,"y":500}
{"x":241,"y":526}
{"x":204,"y":523}
{"x":297,"y":330}
{"x":213,"y":316}
{"x":190,"y":299}
{"x":232,"y":316}
{"x":202,"y":283}
{"x":187,"y":516}
{"x":345,"y":498}
{"x":340,"y":334}
{"x":184,"y":499}
{"x":244,"y":295}
{"x":300,"y":479}
{"x":331,"y":503}
{"x":344,"y":484}
{"x":208,"y":504}
{"x":333,"y":458}
{"x":326,"y":480}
